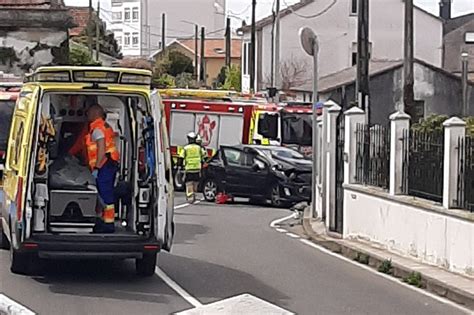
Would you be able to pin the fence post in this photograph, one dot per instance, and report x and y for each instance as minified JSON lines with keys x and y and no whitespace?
{"x":324,"y":150}
{"x":330,"y":180}
{"x":454,"y":128}
{"x":353,"y":117}
{"x":399,"y":122}
{"x":317,"y":155}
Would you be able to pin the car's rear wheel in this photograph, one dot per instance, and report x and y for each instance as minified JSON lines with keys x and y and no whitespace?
{"x":145,"y":266}
{"x":210,"y":190}
{"x":179,"y":180}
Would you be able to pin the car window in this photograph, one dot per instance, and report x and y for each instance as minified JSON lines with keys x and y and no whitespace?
{"x":233,"y":156}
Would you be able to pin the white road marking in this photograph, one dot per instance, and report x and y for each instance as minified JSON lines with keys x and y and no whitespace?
{"x":10,"y":307}
{"x":241,"y":304}
{"x":177,"y":288}
{"x":385,"y":276}
{"x":281,"y":230}
{"x":292,"y":235}
{"x":184,"y":205}
{"x":278,"y":221}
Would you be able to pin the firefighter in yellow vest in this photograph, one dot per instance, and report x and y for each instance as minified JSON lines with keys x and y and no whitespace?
{"x":192,"y":156}
{"x":103,"y":160}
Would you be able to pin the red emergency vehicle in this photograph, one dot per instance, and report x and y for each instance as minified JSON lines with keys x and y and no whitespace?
{"x":219,"y":117}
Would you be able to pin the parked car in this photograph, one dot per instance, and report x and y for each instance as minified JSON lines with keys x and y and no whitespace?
{"x":262,"y":173}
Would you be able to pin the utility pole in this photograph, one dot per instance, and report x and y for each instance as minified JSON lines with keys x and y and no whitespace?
{"x":89,"y":30}
{"x":465,"y":71}
{"x":196,"y":51}
{"x":408,"y":80}
{"x":363,"y":57}
{"x":97,"y":32}
{"x":276,"y":58}
{"x":228,"y":48}
{"x":202,"y":75}
{"x":163,"y":32}
{"x":252,"y":49}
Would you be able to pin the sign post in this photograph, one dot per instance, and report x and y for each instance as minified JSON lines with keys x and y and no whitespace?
{"x":310,"y":44}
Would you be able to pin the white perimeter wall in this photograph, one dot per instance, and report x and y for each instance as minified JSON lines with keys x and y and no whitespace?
{"x":434,"y":238}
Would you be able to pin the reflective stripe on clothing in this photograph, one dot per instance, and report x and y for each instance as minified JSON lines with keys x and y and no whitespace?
{"x":110,"y":148}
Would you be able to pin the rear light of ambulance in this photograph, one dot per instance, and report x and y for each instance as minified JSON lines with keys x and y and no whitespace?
{"x":141,"y":160}
{"x":151,"y":247}
{"x":19,"y":194}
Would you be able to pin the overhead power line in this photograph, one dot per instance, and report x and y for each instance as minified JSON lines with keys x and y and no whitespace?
{"x":311,"y":16}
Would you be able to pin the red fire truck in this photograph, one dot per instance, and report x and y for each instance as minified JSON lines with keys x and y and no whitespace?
{"x":219,"y":117}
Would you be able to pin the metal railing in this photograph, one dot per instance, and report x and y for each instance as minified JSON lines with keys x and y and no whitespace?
{"x":373,"y":155}
{"x":465,"y":192}
{"x":423,"y":164}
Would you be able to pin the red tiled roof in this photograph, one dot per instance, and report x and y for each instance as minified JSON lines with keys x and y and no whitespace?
{"x":213,"y":46}
{"x":80,"y":17}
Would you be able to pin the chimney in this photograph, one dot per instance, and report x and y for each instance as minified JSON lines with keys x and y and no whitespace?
{"x":445,"y":9}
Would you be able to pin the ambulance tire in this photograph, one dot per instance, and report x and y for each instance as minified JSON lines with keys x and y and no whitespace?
{"x":145,"y":266}
{"x":19,"y":262}
{"x":5,"y":243}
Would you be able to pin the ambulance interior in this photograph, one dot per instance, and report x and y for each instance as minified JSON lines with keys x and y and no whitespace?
{"x":64,"y":191}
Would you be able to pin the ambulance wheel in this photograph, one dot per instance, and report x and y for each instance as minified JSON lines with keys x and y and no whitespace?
{"x":5,"y":243}
{"x":146,"y":266}
{"x":19,"y":262}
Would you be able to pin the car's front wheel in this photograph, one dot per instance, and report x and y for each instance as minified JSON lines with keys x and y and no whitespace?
{"x":275,"y":196}
{"x":210,"y":190}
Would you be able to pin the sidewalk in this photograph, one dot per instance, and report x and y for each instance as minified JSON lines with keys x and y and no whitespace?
{"x":457,"y":288}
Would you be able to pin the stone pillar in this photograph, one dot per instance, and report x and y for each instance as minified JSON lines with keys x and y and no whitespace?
{"x":324,"y":148}
{"x":454,"y":128}
{"x":399,"y":123}
{"x":353,"y":117}
{"x":330,"y":181}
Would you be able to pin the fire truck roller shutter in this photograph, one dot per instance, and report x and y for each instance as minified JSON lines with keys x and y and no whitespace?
{"x":231,"y":130}
{"x":181,"y":124}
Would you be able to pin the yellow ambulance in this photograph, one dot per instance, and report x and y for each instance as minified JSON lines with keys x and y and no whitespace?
{"x":50,"y":198}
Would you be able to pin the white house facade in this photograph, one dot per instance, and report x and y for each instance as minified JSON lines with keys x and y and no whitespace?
{"x":137,"y":24}
{"x":335,"y":23}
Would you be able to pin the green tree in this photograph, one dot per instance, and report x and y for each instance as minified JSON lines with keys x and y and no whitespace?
{"x":164,"y":81}
{"x":232,"y":78}
{"x":185,"y":80}
{"x":220,"y":80}
{"x":434,"y":123}
{"x":179,"y":63}
{"x":79,"y":56}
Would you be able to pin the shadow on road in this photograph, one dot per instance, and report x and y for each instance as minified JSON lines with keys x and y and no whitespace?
{"x":186,"y":233}
{"x":210,"y":282}
{"x":102,"y":279}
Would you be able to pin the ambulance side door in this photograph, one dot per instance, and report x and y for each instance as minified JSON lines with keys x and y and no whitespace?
{"x":164,"y":222}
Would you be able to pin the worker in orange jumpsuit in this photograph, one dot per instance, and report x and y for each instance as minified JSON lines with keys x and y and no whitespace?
{"x":103,"y":158}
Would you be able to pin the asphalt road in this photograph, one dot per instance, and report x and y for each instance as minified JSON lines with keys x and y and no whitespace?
{"x":219,"y":252}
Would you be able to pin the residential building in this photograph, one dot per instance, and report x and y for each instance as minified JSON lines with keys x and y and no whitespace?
{"x":335,"y":23}
{"x":458,"y":38}
{"x":214,"y":54}
{"x":34,"y":37}
{"x":437,"y":91}
{"x":137,"y":24}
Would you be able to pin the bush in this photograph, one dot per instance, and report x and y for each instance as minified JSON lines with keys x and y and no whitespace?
{"x":164,"y":81}
{"x":414,"y":279}
{"x":232,"y":78}
{"x":79,"y":56}
{"x":185,"y":81}
{"x":434,"y":123}
{"x":386,"y":266}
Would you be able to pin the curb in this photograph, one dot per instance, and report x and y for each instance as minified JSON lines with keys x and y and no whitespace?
{"x":427,"y":283}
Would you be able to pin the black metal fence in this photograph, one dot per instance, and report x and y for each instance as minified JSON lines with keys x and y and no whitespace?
{"x":465,"y":192}
{"x":373,"y":155}
{"x":423,"y":164}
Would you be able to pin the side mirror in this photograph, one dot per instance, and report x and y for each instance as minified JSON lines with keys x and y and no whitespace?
{"x":257,"y":167}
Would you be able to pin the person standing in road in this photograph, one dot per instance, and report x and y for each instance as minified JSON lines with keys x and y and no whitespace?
{"x":103,"y":158}
{"x":192,"y":156}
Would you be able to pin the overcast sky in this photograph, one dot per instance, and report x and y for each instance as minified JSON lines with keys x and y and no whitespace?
{"x":242,"y":8}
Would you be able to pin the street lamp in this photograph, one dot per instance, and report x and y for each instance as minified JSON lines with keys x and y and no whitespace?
{"x":310,"y":44}
{"x":465,"y":71}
